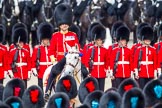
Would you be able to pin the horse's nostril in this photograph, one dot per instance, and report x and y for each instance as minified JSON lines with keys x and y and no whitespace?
{"x":69,"y":72}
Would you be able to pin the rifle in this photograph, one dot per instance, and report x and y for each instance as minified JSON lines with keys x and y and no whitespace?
{"x":91,"y":59}
{"x":13,"y":65}
{"x":38,"y":59}
{"x":115,"y":62}
{"x":139,"y":59}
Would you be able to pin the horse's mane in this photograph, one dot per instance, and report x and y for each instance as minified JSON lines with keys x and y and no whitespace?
{"x":57,"y":69}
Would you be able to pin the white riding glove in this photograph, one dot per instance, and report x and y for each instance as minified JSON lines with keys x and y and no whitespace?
{"x":34,"y":71}
{"x":155,"y":74}
{"x":159,"y":72}
{"x":136,"y":73}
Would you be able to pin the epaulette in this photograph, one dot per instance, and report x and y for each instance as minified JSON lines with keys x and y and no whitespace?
{"x":36,"y":46}
{"x":55,"y":32}
{"x":12,"y":49}
{"x":115,"y":48}
{"x":25,"y":49}
{"x":73,"y":32}
{"x":91,"y":47}
{"x":152,"y":47}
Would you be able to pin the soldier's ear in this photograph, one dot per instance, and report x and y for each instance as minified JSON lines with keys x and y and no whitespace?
{"x":68,"y":47}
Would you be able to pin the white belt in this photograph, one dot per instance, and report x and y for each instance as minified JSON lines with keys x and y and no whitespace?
{"x":123,"y":62}
{"x":146,"y":62}
{"x":98,"y":63}
{"x":45,"y":63}
{"x":21,"y":64}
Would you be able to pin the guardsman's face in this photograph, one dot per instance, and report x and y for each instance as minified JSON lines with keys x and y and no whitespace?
{"x":64,"y":27}
{"x":98,"y":42}
{"x":147,"y":42}
{"x":45,"y":42}
{"x":20,"y":44}
{"x":123,"y":42}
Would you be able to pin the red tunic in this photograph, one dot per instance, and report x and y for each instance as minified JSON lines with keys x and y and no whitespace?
{"x":124,"y":66}
{"x":148,"y":63}
{"x":59,"y":41}
{"x":23,"y":63}
{"x":100,"y":62}
{"x":3,"y":60}
{"x":44,"y":60}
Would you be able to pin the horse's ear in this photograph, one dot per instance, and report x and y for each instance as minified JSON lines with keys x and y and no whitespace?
{"x":68,"y":47}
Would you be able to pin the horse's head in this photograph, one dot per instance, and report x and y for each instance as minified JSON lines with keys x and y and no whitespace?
{"x":72,"y":60}
{"x":48,"y":3}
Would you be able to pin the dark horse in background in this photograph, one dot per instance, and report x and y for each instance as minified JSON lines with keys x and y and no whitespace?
{"x":9,"y":17}
{"x":153,"y":15}
{"x":132,"y":18}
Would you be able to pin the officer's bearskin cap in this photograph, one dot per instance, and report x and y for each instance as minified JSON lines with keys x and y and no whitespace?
{"x":14,"y":102}
{"x":93,"y":99}
{"x":147,"y":33}
{"x":138,"y":29}
{"x":76,"y":29}
{"x":123,"y":32}
{"x":83,"y":106}
{"x":159,"y":30}
{"x":133,"y":98}
{"x":2,"y":33}
{"x":1,"y":91}
{"x":44,"y":31}
{"x":14,"y":87}
{"x":58,"y":100}
{"x":110,"y":99}
{"x":68,"y":85}
{"x":33,"y":97}
{"x":63,"y":14}
{"x":153,"y":92}
{"x":20,"y":35}
{"x":158,"y":105}
{"x":89,"y":33}
{"x":4,"y":105}
{"x":98,"y":32}
{"x":126,"y":85}
{"x":87,"y":86}
{"x":115,"y":26}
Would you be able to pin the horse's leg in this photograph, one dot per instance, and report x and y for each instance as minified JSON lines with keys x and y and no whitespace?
{"x":34,"y":38}
{"x":134,"y":36}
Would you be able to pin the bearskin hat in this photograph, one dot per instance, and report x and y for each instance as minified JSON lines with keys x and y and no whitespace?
{"x":18,"y":25}
{"x":111,"y":89}
{"x":58,"y":100}
{"x":33,"y":97}
{"x":159,"y":30}
{"x":87,"y":86}
{"x":14,"y":87}
{"x":14,"y":102}
{"x":126,"y":85}
{"x":133,"y":98}
{"x":76,"y":29}
{"x":138,"y":29}
{"x":93,"y":99}
{"x":68,"y":85}
{"x":110,"y":99}
{"x":89,"y":35}
{"x":2,"y":33}
{"x":98,"y":32}
{"x":20,"y":35}
{"x":4,"y":105}
{"x":115,"y":26}
{"x":153,"y":92}
{"x":63,"y":14}
{"x":147,"y":33}
{"x":123,"y":32}
{"x":44,"y":31}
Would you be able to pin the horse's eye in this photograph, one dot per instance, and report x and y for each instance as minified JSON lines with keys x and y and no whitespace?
{"x":75,"y":57}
